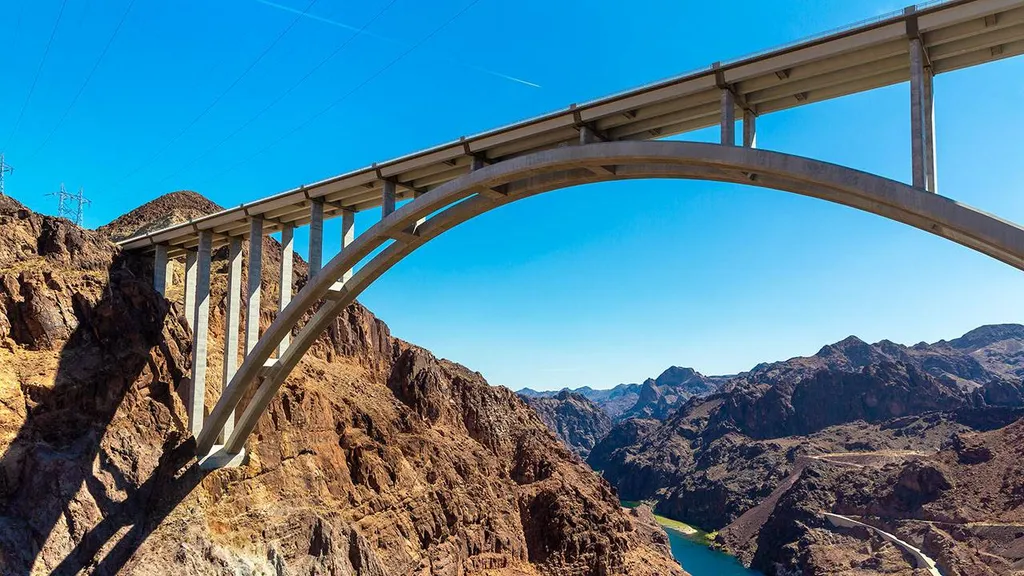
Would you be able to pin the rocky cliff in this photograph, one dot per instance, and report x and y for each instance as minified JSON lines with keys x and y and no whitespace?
{"x":577,"y":422}
{"x":375,"y":459}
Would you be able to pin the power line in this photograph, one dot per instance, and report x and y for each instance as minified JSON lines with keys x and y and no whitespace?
{"x":263,"y":111}
{"x":35,"y":79}
{"x":86,"y":82}
{"x":330,"y":106}
{"x":224,"y":93}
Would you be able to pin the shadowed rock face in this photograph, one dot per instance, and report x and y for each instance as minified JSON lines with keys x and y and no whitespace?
{"x":625,"y":433}
{"x":877,"y":392}
{"x":375,"y":459}
{"x":577,"y":422}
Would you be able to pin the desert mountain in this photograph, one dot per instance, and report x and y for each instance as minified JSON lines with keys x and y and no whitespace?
{"x":375,"y":459}
{"x":725,"y":461}
{"x":613,"y":401}
{"x":654,"y":398}
{"x":161,"y":212}
{"x":659,"y":397}
{"x":582,"y":417}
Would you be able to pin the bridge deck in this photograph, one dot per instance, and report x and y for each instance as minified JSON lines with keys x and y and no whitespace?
{"x":956,"y":34}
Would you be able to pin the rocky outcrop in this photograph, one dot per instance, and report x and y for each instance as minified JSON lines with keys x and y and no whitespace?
{"x":577,"y":422}
{"x":375,"y":459}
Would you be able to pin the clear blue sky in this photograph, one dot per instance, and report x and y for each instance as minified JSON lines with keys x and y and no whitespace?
{"x":647,"y":274}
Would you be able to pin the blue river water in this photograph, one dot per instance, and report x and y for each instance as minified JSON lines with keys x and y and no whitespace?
{"x":699,"y":560}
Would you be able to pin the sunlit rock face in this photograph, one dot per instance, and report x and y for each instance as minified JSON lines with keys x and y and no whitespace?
{"x":376,"y":458}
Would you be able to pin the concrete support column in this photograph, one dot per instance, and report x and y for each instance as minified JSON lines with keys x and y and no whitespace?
{"x":200,"y":327}
{"x":749,"y":129}
{"x":388,"y":200}
{"x":587,"y":136}
{"x":917,"y":113}
{"x":190,"y":287}
{"x":348,"y":236}
{"x":287,"y":248}
{"x":234,"y":304}
{"x":252,"y":304}
{"x":316,"y":237}
{"x":930,"y":164}
{"x":728,"y":121}
{"x":161,"y":269}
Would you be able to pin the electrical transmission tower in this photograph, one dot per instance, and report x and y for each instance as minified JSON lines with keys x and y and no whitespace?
{"x":70,"y":205}
{"x":5,"y":169}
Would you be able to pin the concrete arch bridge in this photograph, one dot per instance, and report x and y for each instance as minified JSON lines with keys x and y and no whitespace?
{"x":614,"y":138}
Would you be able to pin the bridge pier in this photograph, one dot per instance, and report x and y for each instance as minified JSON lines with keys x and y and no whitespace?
{"x":161,"y":270}
{"x":190,"y":288}
{"x":917,"y":136}
{"x":749,"y":129}
{"x":200,"y":327}
{"x":287,"y":249}
{"x":252,"y":305}
{"x":389,"y":195}
{"x":928,"y":107}
{"x":234,"y":304}
{"x":316,"y":237}
{"x":348,"y":235}
{"x":728,"y":121}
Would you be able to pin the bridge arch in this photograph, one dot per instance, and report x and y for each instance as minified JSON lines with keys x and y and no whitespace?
{"x":489,"y":187}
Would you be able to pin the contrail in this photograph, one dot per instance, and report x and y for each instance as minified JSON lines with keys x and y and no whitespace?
{"x":351,"y":28}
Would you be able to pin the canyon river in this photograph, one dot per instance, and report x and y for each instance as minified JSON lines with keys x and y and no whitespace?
{"x":690,"y":548}
{"x":699,"y":560}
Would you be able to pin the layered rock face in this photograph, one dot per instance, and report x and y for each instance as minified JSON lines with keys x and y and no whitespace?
{"x":577,"y":422}
{"x":375,"y":459}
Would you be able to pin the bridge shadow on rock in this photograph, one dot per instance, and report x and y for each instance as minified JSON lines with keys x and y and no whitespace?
{"x":96,"y":454}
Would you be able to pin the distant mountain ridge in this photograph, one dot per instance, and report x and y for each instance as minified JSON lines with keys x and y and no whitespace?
{"x":654,"y":398}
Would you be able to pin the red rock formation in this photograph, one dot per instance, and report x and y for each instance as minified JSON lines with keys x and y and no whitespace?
{"x":375,"y":459}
